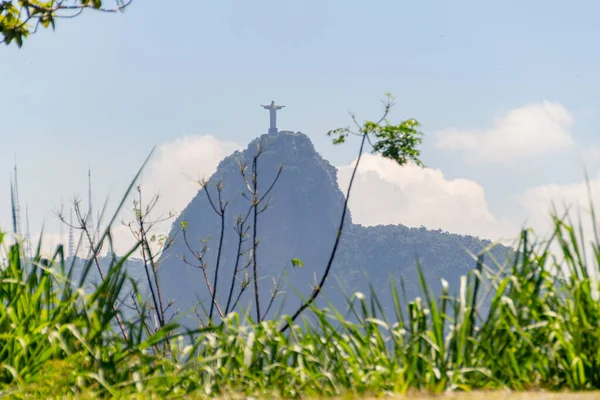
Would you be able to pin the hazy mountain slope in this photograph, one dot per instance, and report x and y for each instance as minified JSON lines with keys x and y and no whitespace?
{"x":301,"y":222}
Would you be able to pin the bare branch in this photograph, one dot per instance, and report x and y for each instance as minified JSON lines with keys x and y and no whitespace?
{"x":241,"y":231}
{"x":200,"y":257}
{"x":276,"y":290}
{"x":272,"y":184}
{"x":221,"y":213}
{"x":254,"y":234}
{"x":244,"y":285}
{"x":319,"y":287}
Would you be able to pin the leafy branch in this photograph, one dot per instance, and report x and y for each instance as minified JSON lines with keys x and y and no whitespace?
{"x":19,"y":19}
{"x":396,"y":142}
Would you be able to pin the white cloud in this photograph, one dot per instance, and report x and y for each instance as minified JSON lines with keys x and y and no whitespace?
{"x":178,"y":166}
{"x":385,"y":193}
{"x":523,"y":133}
{"x":539,"y":200}
{"x":591,"y":157}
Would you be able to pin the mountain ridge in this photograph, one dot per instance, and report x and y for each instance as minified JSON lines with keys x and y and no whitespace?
{"x":301,"y":222}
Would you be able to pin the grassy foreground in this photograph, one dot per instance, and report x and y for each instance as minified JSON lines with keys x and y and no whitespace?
{"x":540,"y":331}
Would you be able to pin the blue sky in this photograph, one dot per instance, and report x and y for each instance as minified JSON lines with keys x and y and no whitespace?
{"x":102,"y":90}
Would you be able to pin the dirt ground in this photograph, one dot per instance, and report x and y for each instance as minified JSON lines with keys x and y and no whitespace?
{"x":498,"y":396}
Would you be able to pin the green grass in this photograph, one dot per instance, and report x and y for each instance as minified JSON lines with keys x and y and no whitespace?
{"x":539,"y":330}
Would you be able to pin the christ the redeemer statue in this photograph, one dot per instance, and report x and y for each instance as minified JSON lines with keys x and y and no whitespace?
{"x":273,"y":114}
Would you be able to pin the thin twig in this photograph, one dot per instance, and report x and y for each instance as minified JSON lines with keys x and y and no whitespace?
{"x":319,"y":287}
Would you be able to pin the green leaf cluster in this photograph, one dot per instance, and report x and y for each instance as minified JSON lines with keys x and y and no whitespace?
{"x":396,"y":142}
{"x":12,"y":27}
{"x":20,"y":18}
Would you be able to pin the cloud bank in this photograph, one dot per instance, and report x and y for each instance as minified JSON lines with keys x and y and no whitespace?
{"x":385,"y":193}
{"x":175,"y":172}
{"x":539,"y":200}
{"x":523,"y":133}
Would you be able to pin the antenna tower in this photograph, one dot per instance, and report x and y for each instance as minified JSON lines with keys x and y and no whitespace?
{"x":16,"y":206}
{"x":13,"y":208}
{"x":27,"y":234}
{"x":61,"y":230}
{"x":71,"y":239}
{"x":90,"y":216}
{"x":98,"y":226}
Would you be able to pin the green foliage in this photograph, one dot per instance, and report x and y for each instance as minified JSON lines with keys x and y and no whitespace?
{"x":396,"y":142}
{"x":19,"y":19}
{"x":297,"y":263}
{"x":53,"y":330}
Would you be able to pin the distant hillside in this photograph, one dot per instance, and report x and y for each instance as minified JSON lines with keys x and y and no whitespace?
{"x":301,"y":222}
